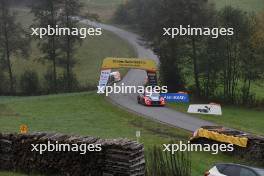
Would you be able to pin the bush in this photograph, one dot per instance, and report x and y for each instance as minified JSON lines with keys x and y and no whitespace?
{"x":2,"y":82}
{"x":29,"y":83}
{"x":65,"y":86}
{"x":49,"y":85}
{"x":62,"y":83}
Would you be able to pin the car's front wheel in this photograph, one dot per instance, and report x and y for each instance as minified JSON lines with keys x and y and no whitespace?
{"x":138,"y":100}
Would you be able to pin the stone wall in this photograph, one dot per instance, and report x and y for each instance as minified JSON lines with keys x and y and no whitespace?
{"x":120,"y":157}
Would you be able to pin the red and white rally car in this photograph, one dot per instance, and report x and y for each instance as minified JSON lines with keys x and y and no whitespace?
{"x":151,"y":99}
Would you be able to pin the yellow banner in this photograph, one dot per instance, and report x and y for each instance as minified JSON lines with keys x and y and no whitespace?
{"x":143,"y":64}
{"x":240,"y":141}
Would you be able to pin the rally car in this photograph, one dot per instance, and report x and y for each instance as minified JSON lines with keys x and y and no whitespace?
{"x":151,"y":99}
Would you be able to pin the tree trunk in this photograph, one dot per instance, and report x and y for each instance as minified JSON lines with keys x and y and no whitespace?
{"x":68,"y":69}
{"x":54,"y":73}
{"x":9,"y":65}
{"x":249,"y":86}
{"x":227,"y":72}
{"x":53,"y":53}
{"x":195,"y":67}
{"x":208,"y":79}
{"x":68,"y":65}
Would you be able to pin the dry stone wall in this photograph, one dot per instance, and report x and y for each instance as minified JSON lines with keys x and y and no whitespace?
{"x":120,"y":157}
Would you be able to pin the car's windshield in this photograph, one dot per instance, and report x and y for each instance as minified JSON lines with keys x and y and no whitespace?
{"x":153,"y":94}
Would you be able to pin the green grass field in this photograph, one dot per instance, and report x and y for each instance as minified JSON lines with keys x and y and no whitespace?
{"x":89,"y":114}
{"x":247,"y":5}
{"x":10,"y":174}
{"x":104,"y":8}
{"x":249,"y":120}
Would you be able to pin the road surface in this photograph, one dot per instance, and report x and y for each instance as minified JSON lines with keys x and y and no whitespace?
{"x":136,"y":77}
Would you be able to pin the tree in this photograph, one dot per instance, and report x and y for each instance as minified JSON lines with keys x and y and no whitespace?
{"x":209,"y":63}
{"x":173,"y":53}
{"x":252,"y":56}
{"x":29,"y":83}
{"x":69,"y":9}
{"x":220,"y":66}
{"x":13,"y":39}
{"x":170,"y":51}
{"x":46,"y":13}
{"x":235,"y":49}
{"x":200,"y":14}
{"x":258,"y":36}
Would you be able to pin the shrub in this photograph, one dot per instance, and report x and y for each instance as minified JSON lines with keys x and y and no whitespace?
{"x":62,"y":82}
{"x":29,"y":83}
{"x":49,"y":83}
{"x":65,"y":86}
{"x":2,"y":82}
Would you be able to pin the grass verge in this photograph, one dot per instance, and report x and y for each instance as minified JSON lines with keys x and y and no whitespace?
{"x":249,"y":120}
{"x":89,"y":114}
{"x":250,"y":6}
{"x":105,"y":9}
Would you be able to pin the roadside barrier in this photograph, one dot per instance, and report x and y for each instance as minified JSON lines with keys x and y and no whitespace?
{"x":246,"y":145}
